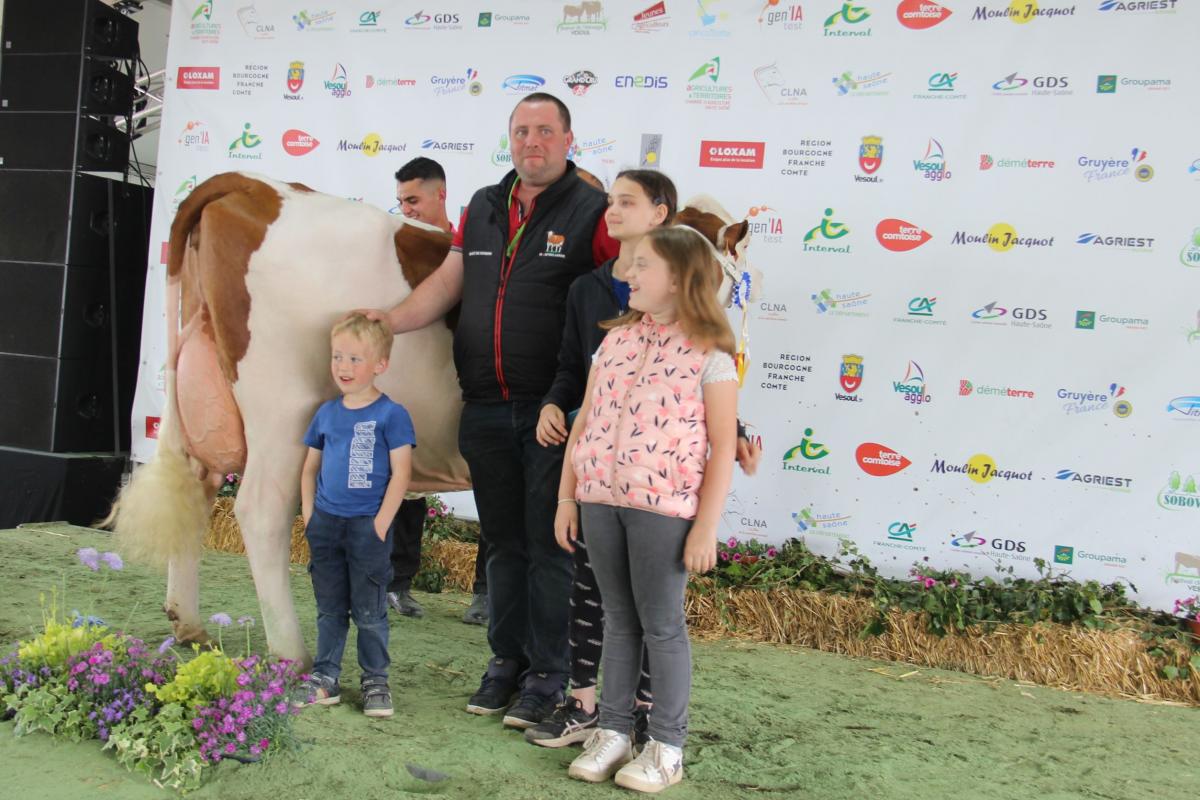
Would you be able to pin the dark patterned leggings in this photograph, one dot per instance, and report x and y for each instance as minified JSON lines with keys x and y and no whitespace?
{"x":587,"y":629}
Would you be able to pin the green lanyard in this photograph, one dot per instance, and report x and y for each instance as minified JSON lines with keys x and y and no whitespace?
{"x":512,"y":244}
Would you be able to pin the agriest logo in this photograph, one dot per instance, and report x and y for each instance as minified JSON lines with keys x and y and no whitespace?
{"x":198,"y":78}
{"x":879,"y":460}
{"x":732,"y":155}
{"x":900,"y":236}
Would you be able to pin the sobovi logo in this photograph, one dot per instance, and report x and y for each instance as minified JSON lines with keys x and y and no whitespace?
{"x":1179,"y":493}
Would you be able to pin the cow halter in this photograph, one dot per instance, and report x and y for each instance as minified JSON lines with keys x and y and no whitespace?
{"x":739,"y":296}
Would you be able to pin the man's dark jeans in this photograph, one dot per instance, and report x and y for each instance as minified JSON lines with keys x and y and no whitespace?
{"x":528,"y":575}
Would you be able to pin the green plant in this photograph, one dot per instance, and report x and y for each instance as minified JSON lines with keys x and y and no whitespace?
{"x":431,"y":577}
{"x":160,"y":745}
{"x":211,"y":674}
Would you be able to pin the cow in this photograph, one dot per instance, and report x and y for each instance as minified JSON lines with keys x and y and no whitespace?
{"x":572,"y":12}
{"x":258,"y":271}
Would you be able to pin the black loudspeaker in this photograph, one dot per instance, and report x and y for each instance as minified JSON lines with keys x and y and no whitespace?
{"x":68,"y":26}
{"x":61,"y":141}
{"x":58,"y":307}
{"x":44,"y":487}
{"x":57,"y":405}
{"x":64,"y":82}
{"x":62,"y":218}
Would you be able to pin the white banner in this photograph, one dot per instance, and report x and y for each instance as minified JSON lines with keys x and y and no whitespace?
{"x":979,"y":341}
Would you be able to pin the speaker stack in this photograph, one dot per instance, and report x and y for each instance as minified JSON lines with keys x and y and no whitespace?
{"x":73,"y":251}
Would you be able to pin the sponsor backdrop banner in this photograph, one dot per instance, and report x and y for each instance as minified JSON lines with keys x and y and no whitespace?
{"x":978,"y":341}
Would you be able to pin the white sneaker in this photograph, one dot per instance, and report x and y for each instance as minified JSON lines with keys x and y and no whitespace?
{"x":656,"y":767}
{"x":604,"y":752}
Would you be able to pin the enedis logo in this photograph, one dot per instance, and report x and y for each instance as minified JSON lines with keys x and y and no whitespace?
{"x":371,"y":145}
{"x":732,"y":155}
{"x":298,"y":143}
{"x":980,"y":468}
{"x":921,"y":14}
{"x":198,"y":78}
{"x":848,"y":20}
{"x":827,"y":230}
{"x":808,"y":450}
{"x":1180,"y":492}
{"x":879,"y":460}
{"x":1001,"y":237}
{"x":1021,"y":12}
{"x":912,"y":387}
{"x":900,"y":236}
{"x":1082,"y":402}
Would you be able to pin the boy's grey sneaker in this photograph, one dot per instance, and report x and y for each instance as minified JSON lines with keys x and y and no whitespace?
{"x":376,"y":697}
{"x":541,"y":693}
{"x":476,"y":613}
{"x":568,"y":724}
{"x":496,"y":690}
{"x":402,"y":603}
{"x":316,"y":690}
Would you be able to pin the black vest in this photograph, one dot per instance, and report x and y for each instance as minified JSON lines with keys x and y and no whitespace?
{"x":507,"y":339}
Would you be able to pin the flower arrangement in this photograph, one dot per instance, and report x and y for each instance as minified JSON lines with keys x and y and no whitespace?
{"x":169,"y":716}
{"x":1188,"y":608}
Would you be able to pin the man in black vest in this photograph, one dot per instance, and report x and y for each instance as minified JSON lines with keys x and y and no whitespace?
{"x":518,"y":247}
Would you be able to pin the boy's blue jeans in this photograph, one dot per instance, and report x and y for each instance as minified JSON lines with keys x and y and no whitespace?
{"x":350,"y":569}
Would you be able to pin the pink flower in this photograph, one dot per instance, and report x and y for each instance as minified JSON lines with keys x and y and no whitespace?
{"x":929,"y":583}
{"x":724,"y":556}
{"x":432,"y":513}
{"x":772,"y":552}
{"x":732,"y":542}
{"x":737,"y":556}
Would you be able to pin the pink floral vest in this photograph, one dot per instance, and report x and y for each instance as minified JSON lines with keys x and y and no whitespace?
{"x":645,"y":442}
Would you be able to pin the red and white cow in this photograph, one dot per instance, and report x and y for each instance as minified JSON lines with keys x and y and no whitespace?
{"x":257,"y":275}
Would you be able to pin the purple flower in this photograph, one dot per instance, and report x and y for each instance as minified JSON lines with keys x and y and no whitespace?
{"x":166,"y":645}
{"x":281,"y":707}
{"x":113,"y":560}
{"x":724,"y":556}
{"x":89,"y":557}
{"x":732,"y":542}
{"x":246,"y":621}
{"x":772,"y":552}
{"x":221,"y":618}
{"x":433,"y":513}
{"x":737,"y":556}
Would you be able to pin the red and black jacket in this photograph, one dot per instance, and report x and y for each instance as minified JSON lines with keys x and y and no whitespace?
{"x":513,"y":307}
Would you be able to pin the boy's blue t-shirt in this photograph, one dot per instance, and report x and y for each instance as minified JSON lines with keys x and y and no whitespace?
{"x":355,"y":445}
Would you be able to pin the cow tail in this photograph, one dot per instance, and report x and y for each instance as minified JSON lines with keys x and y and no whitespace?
{"x":163,"y":512}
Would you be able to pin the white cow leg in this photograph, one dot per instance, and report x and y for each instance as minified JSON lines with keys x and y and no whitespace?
{"x":183,"y":599}
{"x":265,"y":512}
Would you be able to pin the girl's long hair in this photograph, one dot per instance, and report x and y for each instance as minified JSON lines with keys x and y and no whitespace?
{"x":690,"y":258}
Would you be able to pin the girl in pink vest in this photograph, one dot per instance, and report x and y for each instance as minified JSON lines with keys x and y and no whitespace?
{"x":651,"y":457}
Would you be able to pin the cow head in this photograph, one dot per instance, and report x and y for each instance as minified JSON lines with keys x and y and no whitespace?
{"x":731,"y":240}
